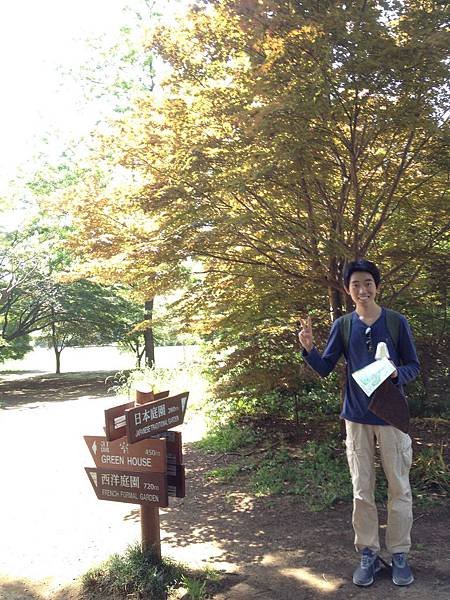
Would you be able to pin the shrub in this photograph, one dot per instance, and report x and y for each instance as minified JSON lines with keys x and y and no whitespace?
{"x":227,"y":438}
{"x":140,"y":574}
{"x":429,"y":470}
{"x":136,"y":572}
{"x":318,"y":476}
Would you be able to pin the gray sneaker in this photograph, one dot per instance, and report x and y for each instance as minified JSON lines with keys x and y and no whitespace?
{"x":365,"y":572}
{"x":401,"y":571}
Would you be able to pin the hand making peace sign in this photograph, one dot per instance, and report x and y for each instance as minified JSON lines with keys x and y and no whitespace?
{"x":305,"y":335}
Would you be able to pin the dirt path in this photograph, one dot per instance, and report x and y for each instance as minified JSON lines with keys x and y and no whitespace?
{"x":52,"y":528}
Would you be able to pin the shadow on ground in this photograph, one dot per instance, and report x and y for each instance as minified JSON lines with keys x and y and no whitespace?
{"x":56,"y":388}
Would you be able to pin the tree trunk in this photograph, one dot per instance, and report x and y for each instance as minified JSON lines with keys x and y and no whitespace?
{"x":335,"y":298}
{"x":335,"y":268}
{"x":139,"y":355}
{"x":138,"y":358}
{"x":57,"y":350}
{"x":58,"y":361}
{"x":148,"y":335}
{"x":349,"y":306}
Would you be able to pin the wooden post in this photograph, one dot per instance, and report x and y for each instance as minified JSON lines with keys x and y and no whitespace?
{"x":144,"y":395}
{"x":150,"y":530}
{"x":150,"y":526}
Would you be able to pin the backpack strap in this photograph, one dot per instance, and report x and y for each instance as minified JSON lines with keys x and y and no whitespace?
{"x":345,"y":326}
{"x":393,"y":325}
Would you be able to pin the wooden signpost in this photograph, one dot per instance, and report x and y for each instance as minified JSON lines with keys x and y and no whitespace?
{"x":139,"y":460}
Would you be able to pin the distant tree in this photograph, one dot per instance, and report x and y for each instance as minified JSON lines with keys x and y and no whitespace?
{"x":85,"y":313}
{"x":24,"y":283}
{"x":63,"y":313}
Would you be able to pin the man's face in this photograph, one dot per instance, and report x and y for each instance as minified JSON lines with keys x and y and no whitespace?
{"x":362,"y":288}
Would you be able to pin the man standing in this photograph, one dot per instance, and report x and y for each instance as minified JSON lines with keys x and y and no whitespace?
{"x":369,"y":325}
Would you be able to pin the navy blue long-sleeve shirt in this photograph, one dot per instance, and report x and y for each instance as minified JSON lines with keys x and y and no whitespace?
{"x":404,"y":357}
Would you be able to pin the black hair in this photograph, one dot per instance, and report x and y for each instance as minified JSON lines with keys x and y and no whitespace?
{"x":361,"y":265}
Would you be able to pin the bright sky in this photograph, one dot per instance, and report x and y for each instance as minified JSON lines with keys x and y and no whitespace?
{"x":37,"y":36}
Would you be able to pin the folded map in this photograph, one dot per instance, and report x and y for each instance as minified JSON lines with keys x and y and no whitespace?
{"x":372,"y":376}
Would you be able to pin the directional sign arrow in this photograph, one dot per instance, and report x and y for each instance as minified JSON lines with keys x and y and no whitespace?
{"x":145,"y":456}
{"x":146,"y":420}
{"x":129,"y":486}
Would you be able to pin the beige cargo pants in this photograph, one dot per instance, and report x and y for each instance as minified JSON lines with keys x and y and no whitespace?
{"x":396,"y":456}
